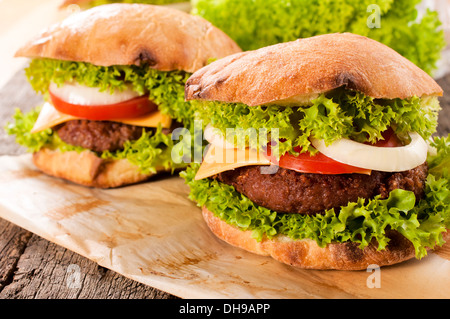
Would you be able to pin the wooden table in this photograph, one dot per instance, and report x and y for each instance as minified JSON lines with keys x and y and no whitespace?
{"x":30,"y":266}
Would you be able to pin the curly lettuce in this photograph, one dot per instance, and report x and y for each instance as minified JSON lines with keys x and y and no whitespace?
{"x":422,"y":222}
{"x":339,"y":114}
{"x":258,"y":23}
{"x":439,"y":160}
{"x":150,"y":152}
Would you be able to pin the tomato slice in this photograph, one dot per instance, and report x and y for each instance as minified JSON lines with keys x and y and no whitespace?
{"x":389,"y":139}
{"x":316,"y":164}
{"x":321,"y":164}
{"x":132,"y":108}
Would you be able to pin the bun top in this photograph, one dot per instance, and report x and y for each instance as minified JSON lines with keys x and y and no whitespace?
{"x":125,"y":34}
{"x":298,"y":71}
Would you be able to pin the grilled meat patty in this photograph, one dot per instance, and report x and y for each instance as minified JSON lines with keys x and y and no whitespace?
{"x":288,"y":191}
{"x":98,"y":136}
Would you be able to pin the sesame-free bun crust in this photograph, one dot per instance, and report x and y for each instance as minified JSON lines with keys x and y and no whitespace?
{"x":308,"y":255}
{"x":87,"y":169}
{"x":126,"y":34}
{"x":295,"y":72}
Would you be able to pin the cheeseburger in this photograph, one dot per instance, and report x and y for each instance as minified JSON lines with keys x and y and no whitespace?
{"x":321,"y":153}
{"x":113,"y":81}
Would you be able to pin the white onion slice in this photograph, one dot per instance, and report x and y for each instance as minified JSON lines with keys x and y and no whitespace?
{"x":78,"y":94}
{"x":385,"y":159}
{"x":215,"y":138}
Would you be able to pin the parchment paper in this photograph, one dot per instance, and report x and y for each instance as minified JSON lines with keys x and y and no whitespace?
{"x":152,"y":233}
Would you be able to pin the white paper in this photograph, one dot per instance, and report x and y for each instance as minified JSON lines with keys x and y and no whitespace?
{"x":152,"y":233}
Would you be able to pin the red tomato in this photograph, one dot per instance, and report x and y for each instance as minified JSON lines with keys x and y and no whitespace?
{"x":390,"y":140}
{"x":129,"y":109}
{"x":316,"y":164}
{"x":321,"y":164}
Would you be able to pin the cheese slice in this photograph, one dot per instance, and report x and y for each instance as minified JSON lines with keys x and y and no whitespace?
{"x":218,"y":160}
{"x":50,"y":117}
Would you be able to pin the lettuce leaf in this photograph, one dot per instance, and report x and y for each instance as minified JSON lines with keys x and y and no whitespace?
{"x":149,"y":152}
{"x":339,"y":114}
{"x":439,"y":160}
{"x":257,"y":23}
{"x":422,"y":222}
{"x":21,"y":127}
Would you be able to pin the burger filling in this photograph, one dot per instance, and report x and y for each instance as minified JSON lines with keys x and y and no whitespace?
{"x":101,"y":136}
{"x":118,"y":112}
{"x":339,"y":114}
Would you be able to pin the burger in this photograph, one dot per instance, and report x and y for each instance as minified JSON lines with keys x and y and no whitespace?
{"x":321,"y":153}
{"x":113,"y":78}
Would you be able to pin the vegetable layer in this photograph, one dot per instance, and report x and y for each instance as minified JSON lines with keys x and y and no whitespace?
{"x":339,"y":114}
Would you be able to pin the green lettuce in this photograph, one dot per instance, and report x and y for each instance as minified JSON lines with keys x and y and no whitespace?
{"x":21,"y":127}
{"x":148,"y":152}
{"x":339,"y":114}
{"x":151,"y":151}
{"x":439,"y":160}
{"x":258,"y":23}
{"x":422,"y":222}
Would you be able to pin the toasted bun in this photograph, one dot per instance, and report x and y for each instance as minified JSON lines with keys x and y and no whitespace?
{"x":307,"y":254}
{"x":87,"y":169}
{"x":297,"y":71}
{"x":126,"y":34}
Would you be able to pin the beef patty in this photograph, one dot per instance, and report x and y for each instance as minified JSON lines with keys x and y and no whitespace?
{"x":98,"y":136}
{"x":288,"y":191}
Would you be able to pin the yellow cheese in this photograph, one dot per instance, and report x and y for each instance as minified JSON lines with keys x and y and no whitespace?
{"x":219,"y":160}
{"x":49,"y":117}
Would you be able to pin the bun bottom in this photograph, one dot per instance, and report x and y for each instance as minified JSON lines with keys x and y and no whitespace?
{"x":87,"y":169}
{"x":308,"y":255}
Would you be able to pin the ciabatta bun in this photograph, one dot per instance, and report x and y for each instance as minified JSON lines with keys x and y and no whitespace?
{"x":308,"y":255}
{"x":133,"y":34}
{"x":86,"y":168}
{"x":295,"y":72}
